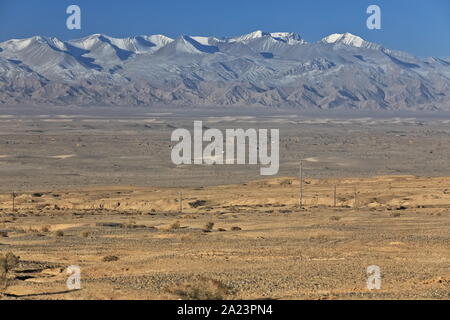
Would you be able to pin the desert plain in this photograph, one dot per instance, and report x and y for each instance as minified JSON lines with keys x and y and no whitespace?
{"x":95,"y":188}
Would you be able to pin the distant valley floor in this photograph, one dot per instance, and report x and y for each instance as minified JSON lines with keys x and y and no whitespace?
{"x":57,"y":148}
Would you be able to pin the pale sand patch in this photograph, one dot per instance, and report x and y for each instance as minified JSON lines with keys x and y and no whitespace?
{"x":396,"y":243}
{"x":63,"y":156}
{"x":151,"y":121}
{"x":311,"y":159}
{"x":57,"y":120}
{"x":65,"y":226}
{"x":229,"y":119}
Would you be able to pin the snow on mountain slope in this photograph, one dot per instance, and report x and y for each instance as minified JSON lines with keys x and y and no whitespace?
{"x":159,"y":40}
{"x":288,"y":37}
{"x":103,"y":48}
{"x":46,"y":56}
{"x":186,"y":45}
{"x":208,"y":41}
{"x":135,"y":45}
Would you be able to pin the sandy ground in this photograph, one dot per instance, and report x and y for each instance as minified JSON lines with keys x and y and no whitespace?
{"x":262,"y":245}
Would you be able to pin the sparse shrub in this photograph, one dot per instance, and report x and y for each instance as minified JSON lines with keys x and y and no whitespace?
{"x":3,"y":234}
{"x":319,"y":238}
{"x":335,"y":218}
{"x":174,"y":226}
{"x":85,"y":234}
{"x":110,"y":224}
{"x":7,"y":263}
{"x":236,"y":228}
{"x":197,"y":203}
{"x":187,"y":238}
{"x":202,"y":289}
{"x":286,"y":182}
{"x":209,"y":227}
{"x":396,"y":214}
{"x":45,"y":229}
{"x":110,"y":258}
{"x":134,"y":226}
{"x":221,"y":230}
{"x":59,"y":233}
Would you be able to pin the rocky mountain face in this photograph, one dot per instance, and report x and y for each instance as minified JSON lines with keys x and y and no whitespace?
{"x":263,"y":69}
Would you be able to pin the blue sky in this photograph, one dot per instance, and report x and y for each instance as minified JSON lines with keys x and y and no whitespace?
{"x":418,"y":26}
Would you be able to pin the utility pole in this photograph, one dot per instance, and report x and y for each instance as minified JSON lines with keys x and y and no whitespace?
{"x":181,"y":202}
{"x":14,"y":195}
{"x":301,"y":185}
{"x":356,"y":198}
{"x":335,"y":196}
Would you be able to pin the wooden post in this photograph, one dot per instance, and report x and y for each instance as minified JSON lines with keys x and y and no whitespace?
{"x":181,"y":202}
{"x":301,"y":185}
{"x":356,"y":198}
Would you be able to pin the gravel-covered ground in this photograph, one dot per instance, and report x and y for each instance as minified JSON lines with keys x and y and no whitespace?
{"x":274,"y":250}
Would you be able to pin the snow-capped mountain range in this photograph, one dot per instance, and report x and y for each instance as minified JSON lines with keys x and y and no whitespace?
{"x":260,"y":68}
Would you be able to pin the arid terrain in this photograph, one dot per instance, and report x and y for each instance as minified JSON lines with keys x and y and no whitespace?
{"x":101,"y":193}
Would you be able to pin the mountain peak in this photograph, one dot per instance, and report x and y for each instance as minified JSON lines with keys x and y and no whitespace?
{"x":345,"y":38}
{"x":288,"y":37}
{"x":249,"y":36}
{"x":349,"y":40}
{"x":21,"y":44}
